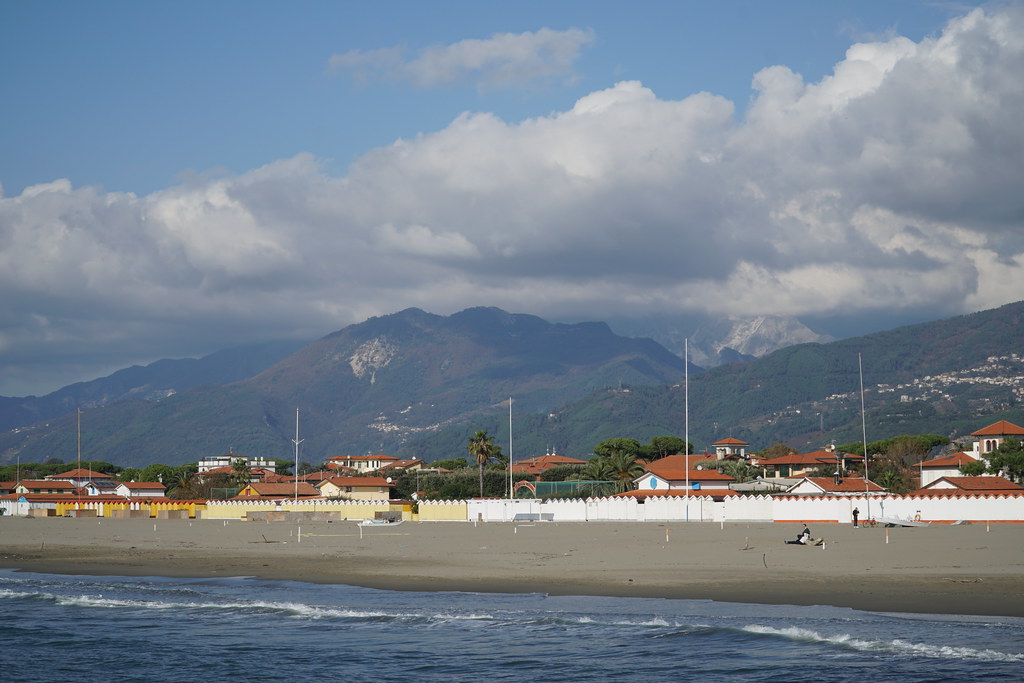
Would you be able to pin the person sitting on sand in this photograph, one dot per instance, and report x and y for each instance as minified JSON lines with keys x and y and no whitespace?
{"x":803,"y":538}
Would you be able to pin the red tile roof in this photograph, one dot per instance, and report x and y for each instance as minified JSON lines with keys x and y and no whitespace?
{"x":363,"y":457}
{"x":401,"y":464}
{"x":672,"y":468}
{"x":845,"y":485}
{"x":259,"y":472}
{"x":1001,"y":428}
{"x":544,"y":462}
{"x":143,"y":485}
{"x":48,"y":484}
{"x":676,"y":493}
{"x":814,"y":458}
{"x":358,"y":481}
{"x":975,"y":484}
{"x":320,"y":475}
{"x":80,"y":474}
{"x":730,"y":442}
{"x":305,"y":490}
{"x":947,"y":461}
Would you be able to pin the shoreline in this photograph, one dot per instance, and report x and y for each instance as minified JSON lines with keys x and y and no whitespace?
{"x":963,"y":570}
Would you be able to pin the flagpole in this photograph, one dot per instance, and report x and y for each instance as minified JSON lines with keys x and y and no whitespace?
{"x":864,"y":435}
{"x":686,"y":439}
{"x":510,"y":448}
{"x":79,"y":505}
{"x":297,"y":441}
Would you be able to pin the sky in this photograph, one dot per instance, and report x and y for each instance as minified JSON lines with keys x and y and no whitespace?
{"x":182,"y":177}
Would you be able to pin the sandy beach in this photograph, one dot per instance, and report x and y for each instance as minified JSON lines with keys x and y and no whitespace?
{"x":969,"y":569}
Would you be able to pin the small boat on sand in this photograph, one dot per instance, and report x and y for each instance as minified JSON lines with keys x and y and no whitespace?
{"x":380,"y":522}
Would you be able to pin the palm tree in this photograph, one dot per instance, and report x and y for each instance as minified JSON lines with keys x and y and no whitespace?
{"x":739,"y":470}
{"x":182,"y":484}
{"x":624,"y":468}
{"x":240,"y":472}
{"x":482,"y":449}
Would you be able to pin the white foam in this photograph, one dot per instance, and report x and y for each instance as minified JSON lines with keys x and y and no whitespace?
{"x":896,"y":646}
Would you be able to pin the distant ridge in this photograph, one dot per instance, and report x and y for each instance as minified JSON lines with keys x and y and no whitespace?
{"x":373,"y":386}
{"x":156,"y":380}
{"x":415,"y":384}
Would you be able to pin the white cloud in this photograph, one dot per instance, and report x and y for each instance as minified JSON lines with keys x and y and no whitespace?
{"x":503,"y":60}
{"x":892,"y":184}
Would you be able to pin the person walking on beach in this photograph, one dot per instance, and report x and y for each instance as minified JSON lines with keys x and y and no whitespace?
{"x":856,"y":514}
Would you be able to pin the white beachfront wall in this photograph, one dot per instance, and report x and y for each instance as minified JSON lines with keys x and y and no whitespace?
{"x":809,"y":509}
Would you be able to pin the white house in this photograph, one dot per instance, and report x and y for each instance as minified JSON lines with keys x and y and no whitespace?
{"x":141,"y":489}
{"x":675,"y":472}
{"x":81,"y":477}
{"x":988,"y":486}
{"x":730,"y":447}
{"x":356,"y":488}
{"x":361,"y":463}
{"x":991,"y":437}
{"x":213,"y":462}
{"x":944,"y":466}
{"x":832,"y":486}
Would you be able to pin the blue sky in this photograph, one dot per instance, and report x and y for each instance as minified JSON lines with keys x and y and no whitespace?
{"x":133,"y":96}
{"x":178,"y":177}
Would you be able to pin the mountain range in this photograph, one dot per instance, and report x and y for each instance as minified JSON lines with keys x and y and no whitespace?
{"x":375,"y":386}
{"x":414,"y":384}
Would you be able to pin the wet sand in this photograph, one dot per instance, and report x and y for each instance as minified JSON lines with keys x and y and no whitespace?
{"x":968,"y":569}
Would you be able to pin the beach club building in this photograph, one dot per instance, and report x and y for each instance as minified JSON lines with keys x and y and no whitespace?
{"x":361,"y":464}
{"x":356,"y":488}
{"x":677,"y":472}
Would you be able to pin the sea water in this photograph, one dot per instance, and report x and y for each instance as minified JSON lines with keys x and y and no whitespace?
{"x":109,"y":628}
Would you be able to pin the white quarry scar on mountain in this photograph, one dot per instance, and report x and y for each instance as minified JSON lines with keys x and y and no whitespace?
{"x":763,"y":334}
{"x":371,"y":356}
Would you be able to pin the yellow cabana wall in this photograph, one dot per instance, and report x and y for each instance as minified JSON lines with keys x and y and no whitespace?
{"x":150,"y":507}
{"x":443,"y":511}
{"x":238,"y":509}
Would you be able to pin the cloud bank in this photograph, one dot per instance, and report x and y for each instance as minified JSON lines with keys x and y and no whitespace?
{"x":892,"y":184}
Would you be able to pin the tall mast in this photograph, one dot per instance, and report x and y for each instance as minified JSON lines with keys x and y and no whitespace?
{"x":686,"y":438}
{"x":297,"y":441}
{"x":510,"y":448}
{"x":79,"y":412}
{"x":864,"y":434}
